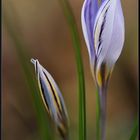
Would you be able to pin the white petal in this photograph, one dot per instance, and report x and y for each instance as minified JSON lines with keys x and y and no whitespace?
{"x":108,"y":34}
{"x":117,"y":39}
{"x":46,"y":91}
{"x":50,"y":94}
{"x":103,"y":27}
{"x":84,"y":27}
{"x":59,"y":97}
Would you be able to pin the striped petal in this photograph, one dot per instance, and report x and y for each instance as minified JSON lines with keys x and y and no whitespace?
{"x":88,"y":14}
{"x":108,"y":36}
{"x":52,"y":98}
{"x":117,"y":39}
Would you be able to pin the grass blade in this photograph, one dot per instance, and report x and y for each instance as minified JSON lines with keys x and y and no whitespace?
{"x":25,"y":63}
{"x":81,"y":82}
{"x":134,"y":131}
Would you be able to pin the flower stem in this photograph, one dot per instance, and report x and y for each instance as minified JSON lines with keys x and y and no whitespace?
{"x":134,"y":131}
{"x":101,"y":113}
{"x":97,"y":116}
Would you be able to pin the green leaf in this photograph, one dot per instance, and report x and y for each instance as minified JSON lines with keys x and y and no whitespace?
{"x":24,"y":60}
{"x":134,"y":131}
{"x":80,"y":72}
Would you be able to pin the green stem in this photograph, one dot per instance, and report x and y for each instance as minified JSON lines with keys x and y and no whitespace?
{"x":97,"y":116}
{"x":134,"y":131}
{"x":101,"y":113}
{"x":76,"y":43}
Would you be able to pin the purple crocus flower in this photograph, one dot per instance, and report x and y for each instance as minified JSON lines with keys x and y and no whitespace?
{"x":103,"y":29}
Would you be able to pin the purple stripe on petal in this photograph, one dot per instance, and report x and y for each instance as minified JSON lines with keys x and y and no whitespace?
{"x":89,"y":12}
{"x":58,"y":92}
{"x":99,"y":27}
{"x":112,"y":34}
{"x":102,"y":1}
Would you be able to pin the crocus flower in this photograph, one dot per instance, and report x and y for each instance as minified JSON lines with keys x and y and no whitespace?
{"x":103,"y":29}
{"x":52,"y":99}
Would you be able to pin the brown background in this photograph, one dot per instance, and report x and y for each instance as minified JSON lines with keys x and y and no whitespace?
{"x":44,"y":29}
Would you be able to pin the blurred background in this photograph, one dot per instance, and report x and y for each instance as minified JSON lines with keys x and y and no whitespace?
{"x":42,"y":26}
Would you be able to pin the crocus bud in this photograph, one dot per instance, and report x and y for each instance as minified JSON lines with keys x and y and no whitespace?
{"x":52,"y":98}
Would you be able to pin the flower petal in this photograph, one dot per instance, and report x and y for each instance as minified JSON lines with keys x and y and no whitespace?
{"x":108,"y":34}
{"x":44,"y":88}
{"x":52,"y":98}
{"x":117,"y":39}
{"x":103,"y":26}
{"x":88,"y":14}
{"x":102,"y":1}
{"x":58,"y":95}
